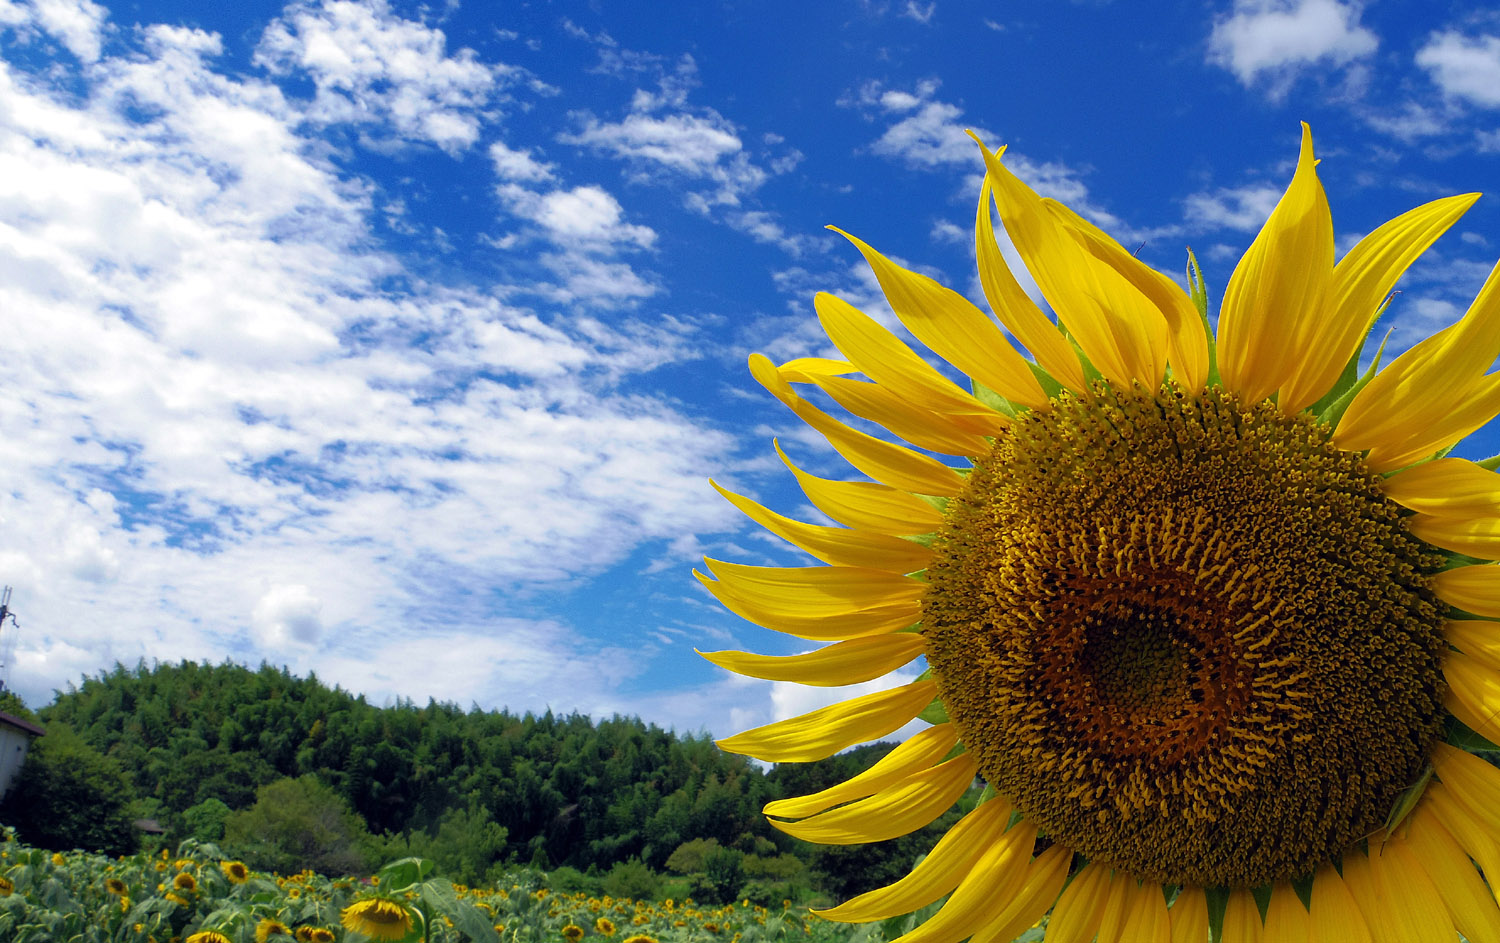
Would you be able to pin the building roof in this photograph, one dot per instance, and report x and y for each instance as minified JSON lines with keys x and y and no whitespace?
{"x":10,"y":720}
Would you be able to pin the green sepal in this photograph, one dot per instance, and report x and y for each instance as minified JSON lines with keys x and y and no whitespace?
{"x":988,"y":793}
{"x":934,"y":713}
{"x":1407,"y":801}
{"x":1199,"y":292}
{"x":1335,"y":410}
{"x":1461,"y":735}
{"x":995,"y":401}
{"x":1218,"y":899}
{"x":1456,"y":560}
{"x":937,"y":500}
{"x":1050,"y":385}
{"x":1303,"y":887}
{"x":1489,"y":464}
{"x":1262,"y":897}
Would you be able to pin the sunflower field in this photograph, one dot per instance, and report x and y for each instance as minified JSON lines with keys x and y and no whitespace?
{"x":196,"y":896}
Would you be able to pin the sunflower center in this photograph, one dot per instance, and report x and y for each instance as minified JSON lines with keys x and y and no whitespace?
{"x":1186,"y":637}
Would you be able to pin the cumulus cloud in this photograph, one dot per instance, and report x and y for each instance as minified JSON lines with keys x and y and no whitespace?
{"x":1464,"y":67}
{"x":371,"y":67}
{"x":1241,"y":208}
{"x":520,"y":166}
{"x":1275,"y":40}
{"x":228,"y":398}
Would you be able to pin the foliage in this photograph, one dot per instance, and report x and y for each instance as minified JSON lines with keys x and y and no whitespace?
{"x":205,"y":821}
{"x":295,"y":824}
{"x":69,"y":795}
{"x":565,"y":789}
{"x":633,"y":878}
{"x":89,"y":898}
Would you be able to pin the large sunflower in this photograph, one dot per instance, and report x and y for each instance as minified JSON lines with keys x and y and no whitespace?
{"x":1208,"y":615}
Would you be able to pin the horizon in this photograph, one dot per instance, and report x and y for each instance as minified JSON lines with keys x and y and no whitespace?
{"x":399,"y":343}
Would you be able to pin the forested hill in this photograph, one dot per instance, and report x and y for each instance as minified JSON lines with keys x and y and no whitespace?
{"x":566,"y":789}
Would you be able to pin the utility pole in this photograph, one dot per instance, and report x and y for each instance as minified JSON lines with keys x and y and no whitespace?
{"x":5,"y":613}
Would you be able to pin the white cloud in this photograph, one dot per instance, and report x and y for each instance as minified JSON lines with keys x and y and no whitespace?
{"x":237,"y":421}
{"x":513,"y":165}
{"x":1243,"y":208}
{"x":1277,"y":39}
{"x":77,"y":24}
{"x":369,"y":65}
{"x":1464,"y":67}
{"x":288,"y":612}
{"x":587,"y":216}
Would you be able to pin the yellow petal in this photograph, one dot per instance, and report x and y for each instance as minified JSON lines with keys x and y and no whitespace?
{"x":957,"y":331}
{"x":1115,"y":911}
{"x":916,"y":424}
{"x":950,"y":860}
{"x":820,"y":734}
{"x":1473,"y":694}
{"x":850,"y":662}
{"x":1472,"y":781}
{"x":1187,"y":342}
{"x":1275,"y":298}
{"x":1439,"y":425}
{"x":1468,"y":900}
{"x":1016,"y":310}
{"x":1334,"y":916}
{"x":1406,"y":907}
{"x":892,"y":464}
{"x":1471,"y":834}
{"x":922,"y":750}
{"x":816,"y":589}
{"x":1080,"y":908}
{"x":1242,"y":922}
{"x":822,"y":627}
{"x":867,"y":505}
{"x":1473,"y":589}
{"x":996,"y":876}
{"x":1361,"y":281}
{"x":836,"y":544}
{"x":1478,"y":537}
{"x":1146,"y":916}
{"x":1286,"y":918}
{"x":1451,"y":487}
{"x":899,"y":809}
{"x":1396,"y":411}
{"x":1044,"y":879}
{"x":803,"y":369}
{"x":1477,"y":638}
{"x":1189,"y":916}
{"x":1122,"y":333}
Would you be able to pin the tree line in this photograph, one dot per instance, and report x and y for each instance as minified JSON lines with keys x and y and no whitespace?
{"x":231,"y":754}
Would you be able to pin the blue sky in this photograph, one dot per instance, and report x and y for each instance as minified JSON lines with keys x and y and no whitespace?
{"x":398,"y":342}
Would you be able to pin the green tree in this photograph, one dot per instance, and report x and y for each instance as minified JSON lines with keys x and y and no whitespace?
{"x":633,"y":879}
{"x":205,"y":821}
{"x":69,"y":795}
{"x":467,"y":844}
{"x":295,"y":824}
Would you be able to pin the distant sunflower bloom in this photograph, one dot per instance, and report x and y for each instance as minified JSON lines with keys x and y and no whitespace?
{"x":268,"y":930}
{"x":116,"y":887}
{"x":572,"y":933}
{"x":185,"y":882}
{"x":177,"y":899}
{"x":208,"y":936}
{"x":640,"y":938}
{"x":604,"y":926}
{"x":320,"y":935}
{"x":379,"y":918}
{"x":1212,"y":615}
{"x":58,"y":860}
{"x":235,"y":871}
{"x":6,"y":887}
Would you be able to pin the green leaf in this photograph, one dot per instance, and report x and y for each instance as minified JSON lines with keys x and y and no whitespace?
{"x":934,"y":713}
{"x":401,"y":874}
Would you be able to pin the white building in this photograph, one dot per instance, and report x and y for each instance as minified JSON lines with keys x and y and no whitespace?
{"x":15,"y":737}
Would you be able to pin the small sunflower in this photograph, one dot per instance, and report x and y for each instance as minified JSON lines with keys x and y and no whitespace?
{"x":235,"y":871}
{"x":640,"y":938}
{"x":6,"y":887}
{"x":58,"y":860}
{"x":116,"y":887}
{"x":379,"y":918}
{"x":604,"y":926}
{"x":572,"y":933}
{"x":208,"y":936}
{"x":320,"y":935}
{"x":185,"y":882}
{"x":268,"y":930}
{"x":1215,"y":617}
{"x":177,"y":899}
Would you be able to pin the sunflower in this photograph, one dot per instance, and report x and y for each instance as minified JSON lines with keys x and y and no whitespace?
{"x":185,"y":882}
{"x":58,"y":860}
{"x":378,"y":917}
{"x":640,"y":938}
{"x":235,"y":871}
{"x":6,"y":887}
{"x":604,"y":926}
{"x":267,"y":930}
{"x":208,"y":936}
{"x":1211,"y":616}
{"x":116,"y":887}
{"x":572,"y":933}
{"x":320,"y":935}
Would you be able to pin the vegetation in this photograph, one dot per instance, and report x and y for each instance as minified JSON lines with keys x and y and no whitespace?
{"x":287,"y":773}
